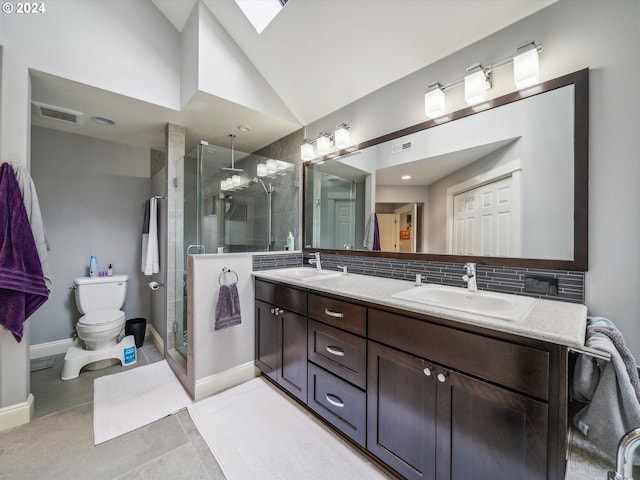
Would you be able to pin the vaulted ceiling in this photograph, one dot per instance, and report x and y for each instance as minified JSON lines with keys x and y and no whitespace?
{"x":317,"y":55}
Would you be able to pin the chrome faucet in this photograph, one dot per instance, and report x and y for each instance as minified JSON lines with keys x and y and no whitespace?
{"x":624,"y":458}
{"x":316,"y":261}
{"x":470,"y":277}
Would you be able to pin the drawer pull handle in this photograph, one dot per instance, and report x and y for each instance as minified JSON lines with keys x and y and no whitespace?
{"x":337,"y":402}
{"x":331,"y":313}
{"x":335,"y":351}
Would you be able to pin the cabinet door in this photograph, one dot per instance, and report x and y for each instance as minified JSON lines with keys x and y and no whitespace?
{"x":293,"y":368}
{"x":486,"y":432}
{"x":401,"y":414}
{"x":268,"y":340}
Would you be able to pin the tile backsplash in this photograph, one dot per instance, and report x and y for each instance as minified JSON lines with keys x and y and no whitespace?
{"x":492,"y":278}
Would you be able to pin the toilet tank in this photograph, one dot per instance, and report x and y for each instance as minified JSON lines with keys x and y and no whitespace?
{"x":100,"y":293}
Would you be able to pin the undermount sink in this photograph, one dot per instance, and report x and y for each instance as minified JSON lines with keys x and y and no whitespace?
{"x":490,"y":304}
{"x":305,"y":274}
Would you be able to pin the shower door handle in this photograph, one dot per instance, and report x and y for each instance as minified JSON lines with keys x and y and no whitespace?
{"x":199,"y":247}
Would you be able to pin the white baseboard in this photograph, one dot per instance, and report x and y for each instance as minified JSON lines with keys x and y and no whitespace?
{"x":16,"y":415}
{"x":155,"y":338}
{"x":50,"y":348}
{"x":208,"y":386}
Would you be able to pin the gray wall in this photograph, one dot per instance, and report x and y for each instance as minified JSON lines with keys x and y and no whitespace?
{"x":92,"y":195}
{"x":600,"y":35}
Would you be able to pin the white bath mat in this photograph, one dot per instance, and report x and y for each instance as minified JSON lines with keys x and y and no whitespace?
{"x":128,"y":400}
{"x":254,"y":431}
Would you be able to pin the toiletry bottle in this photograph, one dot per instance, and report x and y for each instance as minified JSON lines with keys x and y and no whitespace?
{"x":110,"y":271}
{"x":290,"y":242}
{"x":93,"y":266}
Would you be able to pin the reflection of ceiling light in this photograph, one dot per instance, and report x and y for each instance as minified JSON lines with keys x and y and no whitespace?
{"x":103,"y":121}
{"x":340,"y":137}
{"x":244,"y":128}
{"x":406,"y":177}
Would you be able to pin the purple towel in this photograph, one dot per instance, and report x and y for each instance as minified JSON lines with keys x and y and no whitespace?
{"x":228,"y":307}
{"x":22,"y":286}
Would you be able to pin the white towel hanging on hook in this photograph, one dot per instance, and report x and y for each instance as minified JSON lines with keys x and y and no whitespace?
{"x":150,"y":251}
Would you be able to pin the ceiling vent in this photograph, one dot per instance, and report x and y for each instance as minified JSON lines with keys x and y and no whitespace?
{"x":401,"y":147}
{"x":58,"y":113}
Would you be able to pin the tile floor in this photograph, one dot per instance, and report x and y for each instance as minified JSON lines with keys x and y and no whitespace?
{"x":58,"y":442}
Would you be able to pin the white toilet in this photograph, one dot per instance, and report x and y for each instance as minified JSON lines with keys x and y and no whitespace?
{"x":100,"y":300}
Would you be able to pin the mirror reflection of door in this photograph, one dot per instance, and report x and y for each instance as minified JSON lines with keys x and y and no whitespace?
{"x":388,"y":230}
{"x":399,"y":230}
{"x":341,"y":224}
{"x":407,"y":217}
{"x":486,"y":220}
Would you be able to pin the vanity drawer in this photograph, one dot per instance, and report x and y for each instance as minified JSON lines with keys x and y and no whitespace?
{"x":342,"y":353}
{"x":344,"y":315}
{"x":474,"y":354}
{"x":338,"y":402}
{"x":281,"y":296}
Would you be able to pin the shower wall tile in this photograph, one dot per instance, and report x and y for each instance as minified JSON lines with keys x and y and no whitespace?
{"x":491,"y":278}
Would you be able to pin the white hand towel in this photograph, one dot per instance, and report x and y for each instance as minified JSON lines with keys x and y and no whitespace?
{"x":150,"y":253}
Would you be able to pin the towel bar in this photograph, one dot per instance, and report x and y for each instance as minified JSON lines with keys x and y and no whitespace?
{"x":592,"y":352}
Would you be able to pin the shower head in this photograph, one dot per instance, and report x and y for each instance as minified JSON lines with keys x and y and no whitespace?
{"x":232,"y":168}
{"x":257,"y":180}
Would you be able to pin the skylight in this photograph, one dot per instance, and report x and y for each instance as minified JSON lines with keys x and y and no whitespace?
{"x":260,"y":12}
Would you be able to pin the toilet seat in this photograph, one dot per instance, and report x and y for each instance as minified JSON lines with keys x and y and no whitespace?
{"x":100,"y":320}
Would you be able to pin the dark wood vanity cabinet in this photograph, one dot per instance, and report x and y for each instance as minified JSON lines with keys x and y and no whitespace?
{"x":281,"y":337}
{"x":429,"y":421}
{"x":429,"y":399}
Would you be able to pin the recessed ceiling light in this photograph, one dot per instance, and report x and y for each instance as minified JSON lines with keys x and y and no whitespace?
{"x":406,"y":177}
{"x":103,"y":121}
{"x":244,"y":128}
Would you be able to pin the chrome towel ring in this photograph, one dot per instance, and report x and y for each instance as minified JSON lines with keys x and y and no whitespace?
{"x":226,"y":270}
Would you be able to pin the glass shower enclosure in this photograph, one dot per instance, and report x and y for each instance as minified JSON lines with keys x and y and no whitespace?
{"x":228,"y":201}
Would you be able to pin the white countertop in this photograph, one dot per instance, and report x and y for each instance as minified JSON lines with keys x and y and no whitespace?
{"x":553,"y":321}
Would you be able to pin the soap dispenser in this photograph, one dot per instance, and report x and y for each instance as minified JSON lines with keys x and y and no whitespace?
{"x":290,"y":242}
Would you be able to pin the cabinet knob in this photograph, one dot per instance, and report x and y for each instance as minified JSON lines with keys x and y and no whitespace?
{"x":427,"y":371}
{"x":277,"y":311}
{"x":442,"y":377}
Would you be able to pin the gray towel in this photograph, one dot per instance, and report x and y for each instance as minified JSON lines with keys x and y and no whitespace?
{"x":228,"y":307}
{"x":613,"y":407}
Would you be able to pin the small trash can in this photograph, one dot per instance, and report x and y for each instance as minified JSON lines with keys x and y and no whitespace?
{"x":137,"y":328}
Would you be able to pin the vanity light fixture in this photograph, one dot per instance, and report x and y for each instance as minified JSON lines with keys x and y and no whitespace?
{"x":478,"y":79}
{"x":261,"y":170}
{"x":306,"y":151}
{"x":476,"y":83}
{"x":323,"y":144}
{"x":526,"y":68}
{"x":434,"y":101}
{"x":341,"y":136}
